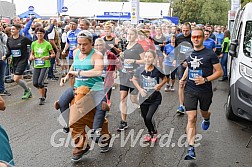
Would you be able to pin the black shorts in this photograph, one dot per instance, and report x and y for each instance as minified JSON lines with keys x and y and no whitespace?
{"x":133,"y":91}
{"x":191,"y":99}
{"x":20,"y":68}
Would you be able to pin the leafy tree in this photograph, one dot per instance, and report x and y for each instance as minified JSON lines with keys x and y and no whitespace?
{"x":244,"y":2}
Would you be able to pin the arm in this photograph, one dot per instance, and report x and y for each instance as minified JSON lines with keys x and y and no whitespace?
{"x":218,"y":72}
{"x":182,"y":81}
{"x":136,"y":84}
{"x":2,"y":104}
{"x":97,"y":60}
{"x":27,"y":27}
{"x":50,"y":29}
{"x":142,"y":59}
{"x":159,"y":86}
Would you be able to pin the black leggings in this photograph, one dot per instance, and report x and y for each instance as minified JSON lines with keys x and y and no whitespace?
{"x":39,"y":75}
{"x":147,"y":111}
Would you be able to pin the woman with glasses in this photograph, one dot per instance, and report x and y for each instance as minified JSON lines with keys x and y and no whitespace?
{"x":41,"y":53}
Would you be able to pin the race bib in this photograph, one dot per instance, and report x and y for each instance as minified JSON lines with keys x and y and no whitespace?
{"x":194,"y":73}
{"x":126,"y":65}
{"x":184,"y":49}
{"x":72,"y":45}
{"x":39,"y":62}
{"x":16,"y":53}
{"x":149,"y":82}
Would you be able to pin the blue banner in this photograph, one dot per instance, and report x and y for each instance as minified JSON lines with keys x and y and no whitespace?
{"x":60,"y":4}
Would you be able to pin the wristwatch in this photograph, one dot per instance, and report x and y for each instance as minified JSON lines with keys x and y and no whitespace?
{"x":206,"y":80}
{"x":78,"y":73}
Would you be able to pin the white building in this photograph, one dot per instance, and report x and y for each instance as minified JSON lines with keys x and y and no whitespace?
{"x":89,"y":8}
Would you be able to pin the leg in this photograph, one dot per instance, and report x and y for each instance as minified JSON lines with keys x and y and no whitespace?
{"x":123,"y":104}
{"x":2,"y":74}
{"x":41,"y":79}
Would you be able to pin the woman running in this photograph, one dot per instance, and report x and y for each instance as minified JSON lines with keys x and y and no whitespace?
{"x":41,"y":53}
{"x":146,"y":80}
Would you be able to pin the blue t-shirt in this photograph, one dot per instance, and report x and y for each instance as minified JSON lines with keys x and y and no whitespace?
{"x":72,"y":41}
{"x":169,"y":51}
{"x":200,"y":63}
{"x":209,"y":43}
{"x":5,"y":149}
{"x":219,"y":39}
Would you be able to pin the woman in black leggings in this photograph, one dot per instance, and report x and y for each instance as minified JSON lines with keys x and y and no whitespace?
{"x":146,"y":80}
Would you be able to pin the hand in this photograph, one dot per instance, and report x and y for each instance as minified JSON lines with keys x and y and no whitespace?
{"x":199,"y":80}
{"x":182,"y":83}
{"x":63,"y":80}
{"x":3,"y":57}
{"x":122,"y":55}
{"x":130,"y":61}
{"x":143,"y":92}
{"x":115,"y":75}
{"x":111,"y":45}
{"x":221,"y":55}
{"x":158,"y":87}
{"x":174,"y":63}
{"x":31,"y":58}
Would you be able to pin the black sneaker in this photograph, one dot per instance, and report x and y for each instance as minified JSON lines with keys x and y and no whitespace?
{"x":41,"y":101}
{"x":5,"y":93}
{"x":66,"y":129}
{"x":105,"y":148}
{"x":123,"y":125}
{"x":78,"y":156}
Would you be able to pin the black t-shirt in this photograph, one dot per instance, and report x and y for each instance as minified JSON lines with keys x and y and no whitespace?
{"x":182,"y":45}
{"x":200,"y":63}
{"x":147,"y":80}
{"x":18,"y":49}
{"x":161,"y":40}
{"x":132,"y":53}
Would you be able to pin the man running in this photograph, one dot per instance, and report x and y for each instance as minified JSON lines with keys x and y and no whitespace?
{"x":198,"y":88}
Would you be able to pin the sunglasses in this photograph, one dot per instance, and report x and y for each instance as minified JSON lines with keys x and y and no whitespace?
{"x":196,"y":37}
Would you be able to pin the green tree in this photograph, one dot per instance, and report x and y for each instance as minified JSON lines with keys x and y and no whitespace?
{"x":244,"y":2}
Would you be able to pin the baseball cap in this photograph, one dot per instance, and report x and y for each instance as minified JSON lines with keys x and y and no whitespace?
{"x":85,"y":34}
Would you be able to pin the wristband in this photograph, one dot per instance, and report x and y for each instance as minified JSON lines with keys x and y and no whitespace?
{"x":206,"y":80}
{"x":78,"y":73}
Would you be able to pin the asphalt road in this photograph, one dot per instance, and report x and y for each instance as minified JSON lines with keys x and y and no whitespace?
{"x":37,"y":141}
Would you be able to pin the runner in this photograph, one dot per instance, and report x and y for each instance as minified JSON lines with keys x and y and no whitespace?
{"x":224,"y":55}
{"x":169,"y":67}
{"x":146,"y":80}
{"x":41,"y":53}
{"x":111,"y":64}
{"x":132,"y":57}
{"x":111,"y":42}
{"x":17,"y":47}
{"x":183,"y":44}
{"x":159,"y":41}
{"x":198,"y":88}
{"x":208,"y":42}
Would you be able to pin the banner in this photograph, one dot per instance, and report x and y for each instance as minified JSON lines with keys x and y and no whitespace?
{"x":60,"y":4}
{"x":134,"y":11}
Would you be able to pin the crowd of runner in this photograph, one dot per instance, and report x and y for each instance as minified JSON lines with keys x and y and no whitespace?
{"x":91,"y":55}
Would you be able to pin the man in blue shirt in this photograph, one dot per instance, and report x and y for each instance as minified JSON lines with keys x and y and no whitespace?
{"x":219,"y":39}
{"x":208,"y":42}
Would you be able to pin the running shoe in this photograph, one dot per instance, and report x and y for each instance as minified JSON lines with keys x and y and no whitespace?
{"x":123,"y":125}
{"x":66,"y":129}
{"x":5,"y":93}
{"x":41,"y":101}
{"x":77,"y":157}
{"x":172,"y":89}
{"x":167,"y":87}
{"x":205,"y":124}
{"x":154,"y":137}
{"x":190,"y":154}
{"x":147,"y":138}
{"x":27,"y":94}
{"x":105,"y":146}
{"x":181,"y":110}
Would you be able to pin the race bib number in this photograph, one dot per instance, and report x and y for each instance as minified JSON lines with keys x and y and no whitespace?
{"x":39,"y":62}
{"x":16,"y":53}
{"x":194,"y":73}
{"x":149,"y":82}
{"x":126,"y":65}
{"x":184,"y":49}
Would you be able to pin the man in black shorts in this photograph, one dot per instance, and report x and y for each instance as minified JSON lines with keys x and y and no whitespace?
{"x":198,"y":88}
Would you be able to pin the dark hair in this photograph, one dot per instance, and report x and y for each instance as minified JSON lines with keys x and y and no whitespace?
{"x":187,"y":24}
{"x":39,"y":29}
{"x":207,"y":31}
{"x":227,"y":34}
{"x":17,"y":26}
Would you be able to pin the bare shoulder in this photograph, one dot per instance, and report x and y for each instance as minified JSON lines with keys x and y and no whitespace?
{"x":97,"y":55}
{"x":75,"y":52}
